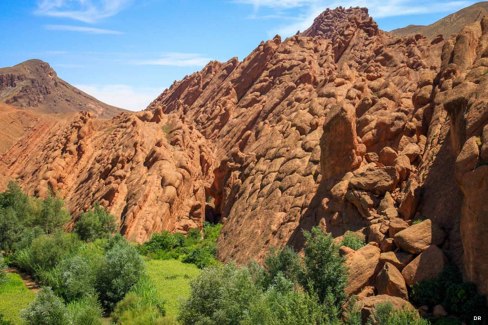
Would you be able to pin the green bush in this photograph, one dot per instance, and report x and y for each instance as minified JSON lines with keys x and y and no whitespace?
{"x":386,"y":314}
{"x":448,"y":289}
{"x":119,"y":272}
{"x":282,"y":305}
{"x":46,"y":252}
{"x":140,"y":306}
{"x":76,"y":276}
{"x":352,"y":240}
{"x":285,"y":262}
{"x":46,"y":309}
{"x":201,"y":256}
{"x":86,"y":311}
{"x":194,"y":248}
{"x":95,"y":224}
{"x":220,"y":295}
{"x":325,"y":273}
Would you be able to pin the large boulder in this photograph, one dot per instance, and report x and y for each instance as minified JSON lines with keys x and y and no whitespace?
{"x":369,"y":304}
{"x":397,"y":225}
{"x":425,"y":266}
{"x":417,"y":238}
{"x":376,"y":180}
{"x":391,"y":282}
{"x":398,"y":259}
{"x":361,"y":267}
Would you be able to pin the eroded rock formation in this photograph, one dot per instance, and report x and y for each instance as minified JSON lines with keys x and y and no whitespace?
{"x":342,"y":126}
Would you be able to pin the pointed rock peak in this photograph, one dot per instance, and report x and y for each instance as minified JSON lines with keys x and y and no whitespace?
{"x":35,"y":66}
{"x":338,"y":22}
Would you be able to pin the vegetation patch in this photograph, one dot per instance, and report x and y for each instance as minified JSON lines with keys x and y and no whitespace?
{"x":14,"y":296}
{"x":171,"y":279}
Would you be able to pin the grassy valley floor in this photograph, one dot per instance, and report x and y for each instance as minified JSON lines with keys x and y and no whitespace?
{"x":14,"y":296}
{"x":172,"y":280}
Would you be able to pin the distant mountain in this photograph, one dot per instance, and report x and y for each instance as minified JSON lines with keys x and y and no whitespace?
{"x":34,"y":84}
{"x":449,"y":25}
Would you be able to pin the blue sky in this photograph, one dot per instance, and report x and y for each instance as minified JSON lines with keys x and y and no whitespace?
{"x":126,"y":52}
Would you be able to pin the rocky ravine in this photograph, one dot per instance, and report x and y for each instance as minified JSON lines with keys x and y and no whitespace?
{"x":343,"y":126}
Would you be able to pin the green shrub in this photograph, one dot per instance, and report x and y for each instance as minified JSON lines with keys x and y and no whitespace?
{"x":386,"y":314}
{"x":46,"y":252}
{"x":220,"y":295}
{"x":76,"y":276}
{"x":325,"y":273}
{"x":285,"y":262}
{"x":140,"y":306}
{"x":46,"y":309}
{"x":282,"y":305}
{"x":448,"y":289}
{"x":427,"y":292}
{"x":164,"y":241}
{"x":119,"y":272}
{"x":86,"y":311}
{"x":201,"y":256}
{"x":352,"y":240}
{"x":95,"y":224}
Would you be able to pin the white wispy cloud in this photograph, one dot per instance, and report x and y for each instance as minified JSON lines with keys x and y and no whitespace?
{"x":176,"y":59}
{"x":123,"y":96}
{"x":82,"y":29}
{"x":306,"y":10}
{"x":88,"y":11}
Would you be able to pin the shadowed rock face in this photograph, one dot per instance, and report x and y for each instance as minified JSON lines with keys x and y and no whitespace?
{"x":343,"y":126}
{"x":34,"y":84}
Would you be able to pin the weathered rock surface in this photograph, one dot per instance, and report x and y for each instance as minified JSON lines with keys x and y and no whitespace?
{"x":147,"y":169}
{"x":417,"y":238}
{"x":391,"y":282}
{"x":361,"y":266}
{"x":369,"y":304}
{"x":425,"y":266}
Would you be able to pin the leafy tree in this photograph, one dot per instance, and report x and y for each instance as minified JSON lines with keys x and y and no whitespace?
{"x":46,"y":309}
{"x":95,"y":224}
{"x":119,"y":272}
{"x":4,"y":321}
{"x":220,"y":295}
{"x":325,"y":273}
{"x":52,"y":216}
{"x":283,"y":305}
{"x":285,"y":262}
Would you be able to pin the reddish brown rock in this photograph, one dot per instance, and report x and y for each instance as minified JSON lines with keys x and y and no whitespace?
{"x":425,"y":266}
{"x":417,"y":238}
{"x":377,"y":180}
{"x":398,"y":259}
{"x":391,"y":282}
{"x":361,"y":267}
{"x":397,"y":225}
{"x":368,"y":304}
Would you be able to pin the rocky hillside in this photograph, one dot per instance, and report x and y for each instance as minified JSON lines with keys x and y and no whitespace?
{"x":448,"y":26}
{"x":34,"y":84}
{"x":343,"y":126}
